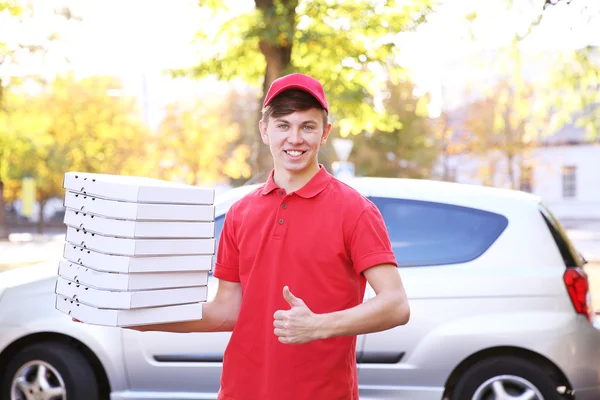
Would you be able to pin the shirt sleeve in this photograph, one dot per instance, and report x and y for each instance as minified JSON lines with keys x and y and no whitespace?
{"x":228,"y":255}
{"x":370,"y":244}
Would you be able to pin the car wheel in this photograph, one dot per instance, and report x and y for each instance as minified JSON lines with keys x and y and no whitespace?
{"x":49,"y":371}
{"x":505,"y":378}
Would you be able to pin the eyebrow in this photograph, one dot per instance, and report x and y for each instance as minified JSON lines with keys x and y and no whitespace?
{"x":310,"y":121}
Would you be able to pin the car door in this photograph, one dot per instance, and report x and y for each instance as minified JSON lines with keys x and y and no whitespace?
{"x":187,"y":363}
{"x":176,"y":362}
{"x":433,"y":243}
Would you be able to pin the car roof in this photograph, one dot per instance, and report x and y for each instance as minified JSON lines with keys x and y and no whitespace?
{"x":467,"y":195}
{"x":224,"y":200}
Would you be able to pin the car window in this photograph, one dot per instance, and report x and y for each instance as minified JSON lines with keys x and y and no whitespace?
{"x":218,"y":228}
{"x":566,"y":248}
{"x":219,"y":221}
{"x":428,"y":233}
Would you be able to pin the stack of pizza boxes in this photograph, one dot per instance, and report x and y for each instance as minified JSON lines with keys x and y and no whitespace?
{"x":138,"y":251}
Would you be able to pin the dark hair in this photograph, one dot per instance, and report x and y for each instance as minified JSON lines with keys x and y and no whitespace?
{"x":291,"y":101}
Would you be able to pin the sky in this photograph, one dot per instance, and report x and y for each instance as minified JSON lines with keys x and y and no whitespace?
{"x":138,"y":39}
{"x":117,"y":37}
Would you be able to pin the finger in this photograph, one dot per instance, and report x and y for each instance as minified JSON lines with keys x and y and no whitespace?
{"x":279,"y":324}
{"x":280,"y":332}
{"x":285,"y":340}
{"x":280,"y":314}
{"x":290,"y":298}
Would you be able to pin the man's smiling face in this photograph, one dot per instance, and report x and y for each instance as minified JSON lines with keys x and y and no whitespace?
{"x":295,"y":139}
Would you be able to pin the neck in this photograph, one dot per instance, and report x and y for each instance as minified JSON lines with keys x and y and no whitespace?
{"x":292,"y":181}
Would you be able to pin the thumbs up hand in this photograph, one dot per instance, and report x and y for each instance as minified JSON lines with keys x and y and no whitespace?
{"x":298,"y":324}
{"x":292,"y":300}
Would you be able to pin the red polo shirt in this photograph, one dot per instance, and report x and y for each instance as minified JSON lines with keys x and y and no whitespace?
{"x":318,"y":241}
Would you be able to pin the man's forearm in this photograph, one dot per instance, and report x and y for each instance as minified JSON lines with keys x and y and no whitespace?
{"x":215,"y":318}
{"x":382,"y":312}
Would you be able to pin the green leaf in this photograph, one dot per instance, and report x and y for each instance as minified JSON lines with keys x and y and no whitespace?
{"x":345,"y":47}
{"x":12,"y":7}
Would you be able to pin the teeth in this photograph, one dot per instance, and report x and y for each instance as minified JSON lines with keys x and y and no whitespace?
{"x":294,"y":153}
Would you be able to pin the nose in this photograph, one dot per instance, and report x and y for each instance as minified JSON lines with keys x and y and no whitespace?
{"x":295,"y":136}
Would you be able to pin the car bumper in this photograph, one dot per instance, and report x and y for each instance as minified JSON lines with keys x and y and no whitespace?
{"x":578,"y":357}
{"x":588,"y":393}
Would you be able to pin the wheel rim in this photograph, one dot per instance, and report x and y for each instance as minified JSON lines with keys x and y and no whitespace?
{"x":507,"y":387}
{"x":38,"y":380}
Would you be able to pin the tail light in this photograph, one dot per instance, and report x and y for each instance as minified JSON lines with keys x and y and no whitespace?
{"x":578,"y":287}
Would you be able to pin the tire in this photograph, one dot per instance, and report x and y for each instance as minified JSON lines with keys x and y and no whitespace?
{"x":67,"y":371}
{"x":515,"y":374}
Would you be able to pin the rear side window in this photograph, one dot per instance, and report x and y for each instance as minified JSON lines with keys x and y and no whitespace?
{"x":219,"y":221}
{"x":567,"y":251}
{"x":428,"y":233}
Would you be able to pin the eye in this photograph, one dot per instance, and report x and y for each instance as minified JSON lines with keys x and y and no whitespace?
{"x":282,"y":126}
{"x":309,"y":127}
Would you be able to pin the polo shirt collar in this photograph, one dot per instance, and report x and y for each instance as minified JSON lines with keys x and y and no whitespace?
{"x":316,"y":185}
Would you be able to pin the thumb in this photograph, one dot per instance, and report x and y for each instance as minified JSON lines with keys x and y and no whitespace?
{"x":290,"y":298}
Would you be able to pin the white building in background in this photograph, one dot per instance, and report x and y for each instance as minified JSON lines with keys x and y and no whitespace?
{"x":564,"y":170}
{"x":566,"y":177}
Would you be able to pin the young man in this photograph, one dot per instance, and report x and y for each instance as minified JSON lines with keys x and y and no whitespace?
{"x":293,"y":260}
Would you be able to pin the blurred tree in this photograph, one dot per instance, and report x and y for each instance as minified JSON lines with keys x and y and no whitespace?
{"x":18,"y":44}
{"x":575,"y":80}
{"x":515,"y":114}
{"x":72,"y":125}
{"x":199,"y":144}
{"x":575,"y":73}
{"x":443,"y":132}
{"x":407,"y":152}
{"x":548,"y":3}
{"x":343,"y":45}
{"x":12,"y":152}
{"x":13,"y":49}
{"x":8,"y":8}
{"x":502,"y":126}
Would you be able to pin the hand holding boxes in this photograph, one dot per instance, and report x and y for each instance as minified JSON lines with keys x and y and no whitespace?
{"x":138,"y":251}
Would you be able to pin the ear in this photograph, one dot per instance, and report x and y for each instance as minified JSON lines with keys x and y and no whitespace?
{"x":262,"y":126}
{"x":325,"y":134}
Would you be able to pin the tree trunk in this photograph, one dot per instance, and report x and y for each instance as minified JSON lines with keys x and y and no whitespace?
{"x":1,"y":95}
{"x":278,"y":55}
{"x":3,"y":221}
{"x":41,"y":222}
{"x":509,"y":143}
{"x":510,"y":159}
{"x":490,"y":174}
{"x":446,"y":138}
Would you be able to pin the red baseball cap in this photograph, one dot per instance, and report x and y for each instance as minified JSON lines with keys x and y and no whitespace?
{"x":297,"y":81}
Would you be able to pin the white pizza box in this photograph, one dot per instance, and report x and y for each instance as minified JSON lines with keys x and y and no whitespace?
{"x":139,"y":247}
{"x":138,"y":229}
{"x":126,"y":300}
{"x":138,"y":211}
{"x":125,"y":264}
{"x":140,"y":316}
{"x":130,"y":282}
{"x":137,"y":189}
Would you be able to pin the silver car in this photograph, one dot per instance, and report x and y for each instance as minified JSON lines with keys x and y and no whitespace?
{"x":500,"y":309}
